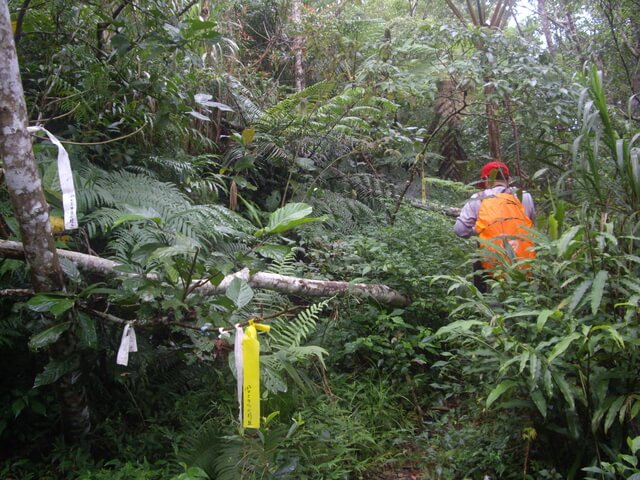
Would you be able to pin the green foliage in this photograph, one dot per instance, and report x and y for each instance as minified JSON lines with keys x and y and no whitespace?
{"x":286,"y":218}
{"x":559,"y":343}
{"x":197,"y":107}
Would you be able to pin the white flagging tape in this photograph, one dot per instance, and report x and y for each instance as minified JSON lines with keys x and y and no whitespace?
{"x":237,"y":353}
{"x":127,"y":344}
{"x":66,"y":180}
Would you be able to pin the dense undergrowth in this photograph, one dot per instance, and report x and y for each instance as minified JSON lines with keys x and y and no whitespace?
{"x":213,"y":165}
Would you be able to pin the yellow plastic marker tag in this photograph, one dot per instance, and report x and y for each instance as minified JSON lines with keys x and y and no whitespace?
{"x":251,"y":375}
{"x":251,"y":378}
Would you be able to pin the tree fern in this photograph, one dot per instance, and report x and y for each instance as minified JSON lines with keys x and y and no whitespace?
{"x":123,"y":192}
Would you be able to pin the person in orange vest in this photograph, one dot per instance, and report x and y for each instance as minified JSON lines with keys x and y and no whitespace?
{"x":499,"y":214}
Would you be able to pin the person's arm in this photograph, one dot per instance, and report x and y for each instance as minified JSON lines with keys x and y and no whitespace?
{"x":466,"y":221}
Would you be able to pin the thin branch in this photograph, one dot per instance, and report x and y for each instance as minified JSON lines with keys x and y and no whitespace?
{"x":494,"y":15}
{"x":474,"y":20}
{"x":480,"y":13}
{"x":455,"y":11}
{"x":111,"y":140}
{"x":16,"y":292}
{"x":187,"y":8}
{"x":167,"y":321}
{"x":20,"y":20}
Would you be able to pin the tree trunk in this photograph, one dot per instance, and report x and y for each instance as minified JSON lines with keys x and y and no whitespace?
{"x":493,"y":128}
{"x":298,"y":47}
{"x":449,"y":104}
{"x":32,"y":212}
{"x":413,"y":6}
{"x":269,"y":281}
{"x":544,"y":22}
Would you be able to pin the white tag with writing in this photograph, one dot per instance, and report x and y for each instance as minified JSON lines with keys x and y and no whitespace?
{"x":69,"y":203}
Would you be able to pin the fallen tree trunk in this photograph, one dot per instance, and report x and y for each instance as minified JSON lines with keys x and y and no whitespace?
{"x":269,"y":281}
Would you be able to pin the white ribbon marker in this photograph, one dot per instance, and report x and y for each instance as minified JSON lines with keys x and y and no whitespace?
{"x":237,"y":353}
{"x":66,"y":180}
{"x":127,"y":344}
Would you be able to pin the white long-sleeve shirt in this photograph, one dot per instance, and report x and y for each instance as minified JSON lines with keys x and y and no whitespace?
{"x":466,"y":222}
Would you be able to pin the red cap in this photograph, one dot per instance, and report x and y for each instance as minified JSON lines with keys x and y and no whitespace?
{"x":490,"y":167}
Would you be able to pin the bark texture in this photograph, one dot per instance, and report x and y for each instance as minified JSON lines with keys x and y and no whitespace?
{"x":298,"y":46}
{"x":268,"y":281}
{"x":32,"y":212}
{"x":546,"y":29}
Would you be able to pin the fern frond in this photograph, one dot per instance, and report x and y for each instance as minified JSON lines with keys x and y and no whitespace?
{"x":286,"y":334}
{"x":285,"y":266}
{"x":247,"y":108}
{"x":310,"y":96}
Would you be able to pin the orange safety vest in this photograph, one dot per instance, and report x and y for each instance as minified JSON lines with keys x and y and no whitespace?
{"x":502,"y":221}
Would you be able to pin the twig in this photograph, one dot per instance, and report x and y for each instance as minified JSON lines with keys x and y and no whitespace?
{"x":19,"y":21}
{"x":167,"y":321}
{"x":16,"y":292}
{"x":106,"y":141}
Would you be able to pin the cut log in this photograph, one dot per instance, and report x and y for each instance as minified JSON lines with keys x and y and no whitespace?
{"x":269,"y":281}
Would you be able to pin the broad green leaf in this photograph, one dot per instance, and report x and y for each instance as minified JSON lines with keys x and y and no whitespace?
{"x":248,"y":134}
{"x":542,"y":319}
{"x":634,"y":444}
{"x":523,"y":360}
{"x":87,"y":334}
{"x":598,"y":289}
{"x":459,"y":326}
{"x":305,"y":163}
{"x":566,"y":239}
{"x":578,"y":294}
{"x":48,"y":336}
{"x":633,"y":461}
{"x":539,"y":401}
{"x":56,"y":369}
{"x":565,"y":389}
{"x":199,"y":116}
{"x":173,"y":251}
{"x":499,"y":390}
{"x":612,"y":413}
{"x":610,"y":329}
{"x":120,"y":42}
{"x":534,"y":367}
{"x":54,"y":304}
{"x":562,"y":345}
{"x":288,"y":217}
{"x":548,"y":384}
{"x":239,"y":292}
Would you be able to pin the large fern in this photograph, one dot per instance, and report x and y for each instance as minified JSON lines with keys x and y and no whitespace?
{"x":169,"y":211}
